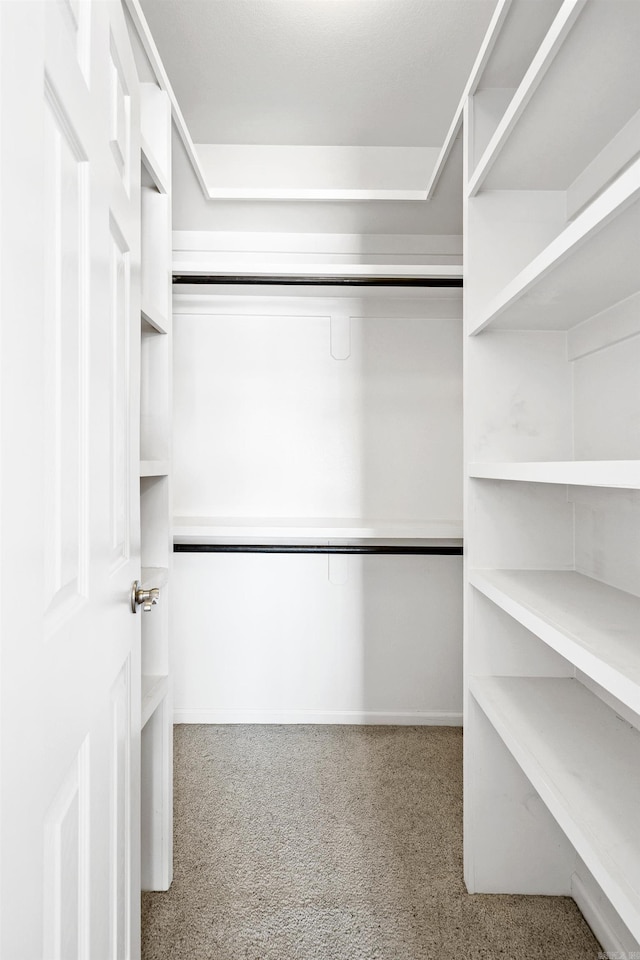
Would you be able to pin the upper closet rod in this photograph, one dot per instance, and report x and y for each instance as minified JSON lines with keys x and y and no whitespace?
{"x":316,"y":281}
{"x":437,"y":550}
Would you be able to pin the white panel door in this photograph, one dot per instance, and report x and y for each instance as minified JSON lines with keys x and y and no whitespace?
{"x":70,"y":696}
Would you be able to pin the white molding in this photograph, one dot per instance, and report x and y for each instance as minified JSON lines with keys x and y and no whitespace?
{"x":364,"y":717}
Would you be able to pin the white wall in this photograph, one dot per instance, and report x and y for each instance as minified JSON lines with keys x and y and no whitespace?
{"x":317,"y":639}
{"x":268,"y":423}
{"x":312,"y":172}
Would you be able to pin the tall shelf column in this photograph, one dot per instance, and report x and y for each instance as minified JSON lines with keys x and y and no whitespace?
{"x":552,"y":489}
{"x":155,"y":486}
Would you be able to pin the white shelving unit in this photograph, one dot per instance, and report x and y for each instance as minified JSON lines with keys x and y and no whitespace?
{"x":511,"y":44}
{"x":552,"y":452}
{"x":573,"y":748}
{"x":513,"y":36}
{"x":155,"y":479}
{"x":592,"y":625}
{"x":562,"y":115}
{"x":565,"y":278}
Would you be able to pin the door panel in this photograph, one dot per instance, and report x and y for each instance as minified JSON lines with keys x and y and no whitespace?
{"x":67,"y":863}
{"x":120,"y":816}
{"x":66,"y":202}
{"x":120,"y":336}
{"x":69,"y":421}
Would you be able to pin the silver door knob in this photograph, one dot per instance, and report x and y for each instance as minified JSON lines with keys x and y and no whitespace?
{"x":143,"y":598}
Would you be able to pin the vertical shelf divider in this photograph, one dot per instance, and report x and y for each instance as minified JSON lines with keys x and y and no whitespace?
{"x":155,"y":487}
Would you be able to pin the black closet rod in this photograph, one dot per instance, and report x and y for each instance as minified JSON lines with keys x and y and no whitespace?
{"x":368,"y":549}
{"x":315,"y":281}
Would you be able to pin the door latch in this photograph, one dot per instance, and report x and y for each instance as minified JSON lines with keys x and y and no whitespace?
{"x":143,"y":598}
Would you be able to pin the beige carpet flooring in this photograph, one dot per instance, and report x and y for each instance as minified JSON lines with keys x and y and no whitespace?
{"x":334,"y":843}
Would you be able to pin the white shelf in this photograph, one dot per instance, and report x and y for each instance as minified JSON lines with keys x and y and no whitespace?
{"x":511,"y":44}
{"x":152,"y":173}
{"x":320,"y":270}
{"x":257,"y":530}
{"x":154,"y":577}
{"x":154,"y":690}
{"x":156,"y":742}
{"x":584,"y":762}
{"x":154,"y":468}
{"x":624,"y":474}
{"x":154,"y":317}
{"x":594,"y":626}
{"x":562,"y":114}
{"x":515,"y":44}
{"x":590,"y":266}
{"x":155,"y":258}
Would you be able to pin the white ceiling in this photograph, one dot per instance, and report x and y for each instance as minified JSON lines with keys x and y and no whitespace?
{"x":318,"y":72}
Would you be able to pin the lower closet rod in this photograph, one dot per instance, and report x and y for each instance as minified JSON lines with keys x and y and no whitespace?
{"x":370,"y":549}
{"x":281,"y":280}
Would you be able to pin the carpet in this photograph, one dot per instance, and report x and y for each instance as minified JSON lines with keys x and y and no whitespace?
{"x":334,"y":843}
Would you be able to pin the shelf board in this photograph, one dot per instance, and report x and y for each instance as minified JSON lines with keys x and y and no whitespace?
{"x":154,"y":690}
{"x":154,"y":577}
{"x":154,"y":468}
{"x":518,"y":39}
{"x":512,"y":39}
{"x":594,"y":626}
{"x":590,"y":266}
{"x":319,"y":271}
{"x":624,"y":474}
{"x":291,"y":530}
{"x":548,"y":133}
{"x":152,"y":173}
{"x":584,"y":762}
{"x":154,"y":317}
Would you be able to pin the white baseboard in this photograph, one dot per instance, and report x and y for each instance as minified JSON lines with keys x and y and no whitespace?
{"x":607,"y":926}
{"x":213,"y":715}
